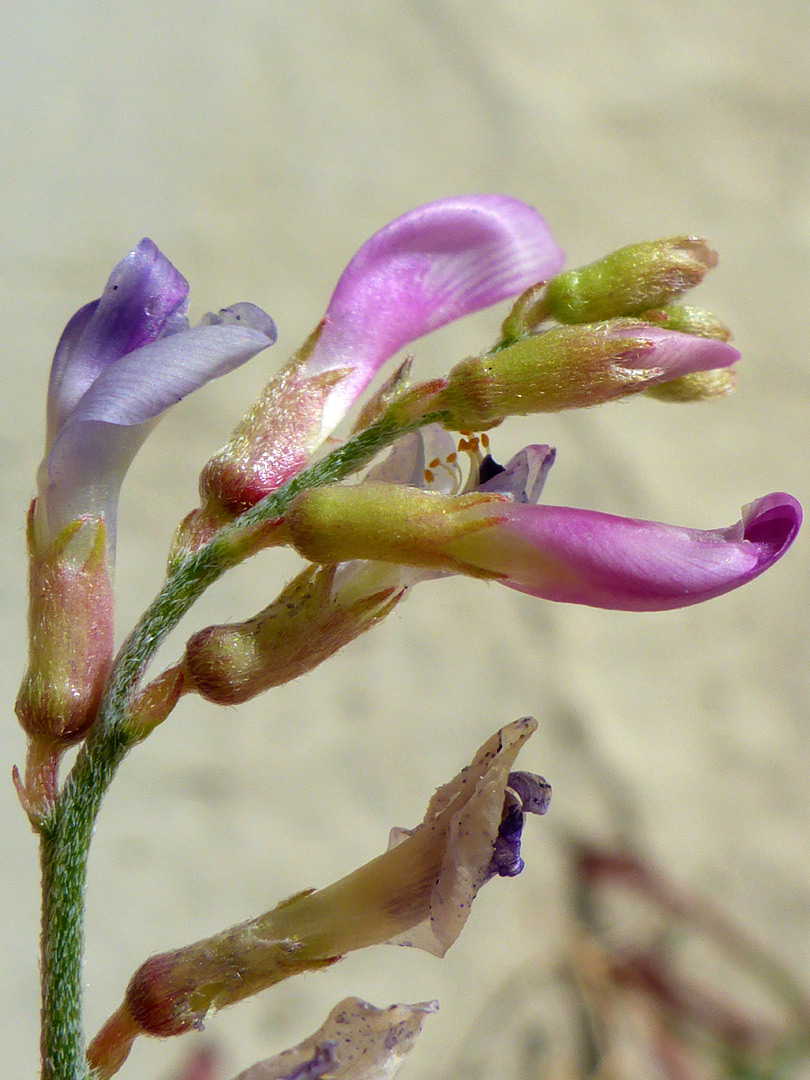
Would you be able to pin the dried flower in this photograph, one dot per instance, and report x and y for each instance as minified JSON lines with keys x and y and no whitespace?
{"x":356,"y":1042}
{"x":417,"y":893}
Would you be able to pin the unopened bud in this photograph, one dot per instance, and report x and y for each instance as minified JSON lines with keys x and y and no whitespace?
{"x":689,"y":320}
{"x":525,"y":315}
{"x":70,"y":632}
{"x":153,"y":704}
{"x":572,"y":367}
{"x":629,"y":281}
{"x":311,"y":619}
{"x":700,"y":386}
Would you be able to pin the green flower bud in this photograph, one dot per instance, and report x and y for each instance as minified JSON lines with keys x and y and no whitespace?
{"x":699,"y":386}
{"x":689,"y":320}
{"x":629,"y":281}
{"x":318,"y":613}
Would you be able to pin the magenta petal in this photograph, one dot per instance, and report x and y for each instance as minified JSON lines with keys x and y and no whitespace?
{"x":143,"y":300}
{"x":427,"y":268}
{"x":675,"y":354}
{"x":585,"y":557}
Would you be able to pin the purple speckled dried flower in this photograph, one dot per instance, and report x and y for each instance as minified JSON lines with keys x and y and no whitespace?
{"x":356,"y":1042}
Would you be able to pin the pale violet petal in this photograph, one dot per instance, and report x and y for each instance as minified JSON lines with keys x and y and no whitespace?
{"x":524,"y":476}
{"x":409,"y":458}
{"x":93,"y":450}
{"x":142,"y":301}
{"x":242,"y":314}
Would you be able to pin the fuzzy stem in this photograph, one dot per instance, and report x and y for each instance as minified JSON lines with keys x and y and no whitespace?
{"x":66,"y":831}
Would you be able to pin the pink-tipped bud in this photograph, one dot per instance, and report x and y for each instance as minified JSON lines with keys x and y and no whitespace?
{"x":70,"y":632}
{"x":572,"y":367}
{"x":629,"y":281}
{"x":314,"y":616}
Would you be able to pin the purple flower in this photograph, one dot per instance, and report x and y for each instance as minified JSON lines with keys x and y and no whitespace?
{"x":494,"y":530}
{"x":121,"y":362}
{"x":423,"y":270}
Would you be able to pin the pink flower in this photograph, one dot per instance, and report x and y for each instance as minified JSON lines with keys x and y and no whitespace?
{"x":423,"y":270}
{"x":495,"y":530}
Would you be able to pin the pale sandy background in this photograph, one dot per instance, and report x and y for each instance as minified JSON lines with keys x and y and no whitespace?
{"x":259,"y":143}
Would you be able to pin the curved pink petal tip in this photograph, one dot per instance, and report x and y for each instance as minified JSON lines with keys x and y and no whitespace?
{"x":585,"y":557}
{"x":427,"y":268}
{"x":674,"y":353}
{"x":771,"y":524}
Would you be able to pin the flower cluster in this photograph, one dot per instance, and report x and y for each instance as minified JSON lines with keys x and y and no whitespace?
{"x":125,"y":358}
{"x":412,"y":494}
{"x":416,"y":515}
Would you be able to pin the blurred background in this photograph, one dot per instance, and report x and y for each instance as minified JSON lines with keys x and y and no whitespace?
{"x":259,"y":143}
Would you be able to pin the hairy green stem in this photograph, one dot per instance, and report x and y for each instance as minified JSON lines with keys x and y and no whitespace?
{"x":67,"y":831}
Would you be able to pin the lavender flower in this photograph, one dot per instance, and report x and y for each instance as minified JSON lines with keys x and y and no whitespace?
{"x":121,"y":362}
